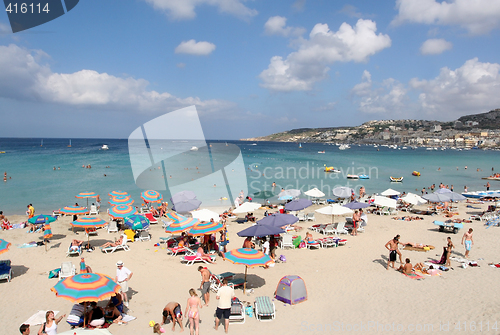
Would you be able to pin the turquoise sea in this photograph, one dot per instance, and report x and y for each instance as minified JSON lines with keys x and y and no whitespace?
{"x":32,"y":179}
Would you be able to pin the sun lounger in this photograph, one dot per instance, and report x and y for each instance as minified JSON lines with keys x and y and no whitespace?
{"x":264,"y":309}
{"x":74,"y":251}
{"x":449,"y":226}
{"x":216,"y":281}
{"x":112,"y":227}
{"x":176,"y":250}
{"x":314,"y":244}
{"x":286,"y":241}
{"x":237,"y":312}
{"x":310,"y":217}
{"x":5,"y":270}
{"x":144,"y":235}
{"x":67,"y":270}
{"x":123,"y":246}
{"x":191,"y":259}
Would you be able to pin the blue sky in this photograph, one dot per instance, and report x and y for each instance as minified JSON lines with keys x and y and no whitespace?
{"x":251,"y":67}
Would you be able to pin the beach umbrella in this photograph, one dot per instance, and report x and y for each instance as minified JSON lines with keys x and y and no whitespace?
{"x":186,"y":206}
{"x":278,"y":220}
{"x":413,"y":199}
{"x":289,"y":193}
{"x":89,"y":222}
{"x":385,"y":202}
{"x":4,"y":246}
{"x":47,"y":234}
{"x":206,"y":215}
{"x":182,"y":196}
{"x":151,"y":196}
{"x":121,"y":200}
{"x":342,"y":192}
{"x":247,"y":207}
{"x":263,"y":195}
{"x":205,"y":228}
{"x":443,"y":190}
{"x":118,"y":193}
{"x":121,"y":211}
{"x":315,"y":193}
{"x":86,"y":195}
{"x":356,"y":205}
{"x":74,"y":210}
{"x":175,"y":217}
{"x":390,"y":192}
{"x":181,"y":226}
{"x":41,"y":219}
{"x":248,"y":257}
{"x":260,"y":230}
{"x":455,"y":196}
{"x":437,"y":197}
{"x":136,"y":222}
{"x":298,"y":204}
{"x":334,"y":209}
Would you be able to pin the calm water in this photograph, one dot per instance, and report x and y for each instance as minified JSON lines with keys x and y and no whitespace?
{"x":34,"y":181}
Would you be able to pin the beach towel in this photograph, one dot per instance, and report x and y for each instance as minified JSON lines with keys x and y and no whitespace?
{"x":469,"y":206}
{"x":414,"y":276}
{"x":38,"y":318}
{"x":443,"y":257}
{"x":426,"y":248}
{"x":128,"y":318}
{"x":27,"y":245}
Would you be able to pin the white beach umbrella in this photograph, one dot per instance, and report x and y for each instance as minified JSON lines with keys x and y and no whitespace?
{"x":385,"y":202}
{"x":289,"y":193}
{"x":315,"y":193}
{"x":246,"y":207}
{"x":390,"y":192}
{"x":206,"y":215}
{"x":342,"y":192}
{"x":413,"y":199}
{"x":334,"y":209}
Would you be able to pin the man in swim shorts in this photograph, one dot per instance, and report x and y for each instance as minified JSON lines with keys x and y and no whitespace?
{"x":173,"y":311}
{"x":469,"y":242}
{"x":392,"y":246}
{"x":205,"y":284}
{"x":225,"y":294}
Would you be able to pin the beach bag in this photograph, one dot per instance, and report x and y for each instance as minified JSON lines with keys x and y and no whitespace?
{"x":54,"y":273}
{"x":282,"y":258}
{"x":302,"y":245}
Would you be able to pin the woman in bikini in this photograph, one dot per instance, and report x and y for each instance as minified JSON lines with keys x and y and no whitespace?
{"x":113,"y":244}
{"x":193,"y":303}
{"x":449,"y":246}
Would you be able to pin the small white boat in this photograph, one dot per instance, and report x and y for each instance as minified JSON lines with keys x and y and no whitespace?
{"x":321,"y":152}
{"x":352,"y":176}
{"x":104,"y":147}
{"x":194,"y":148}
{"x":344,"y":146}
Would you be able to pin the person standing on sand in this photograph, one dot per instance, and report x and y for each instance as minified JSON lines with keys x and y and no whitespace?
{"x":449,"y":246}
{"x":205,"y":284}
{"x":225,"y":294}
{"x":392,"y":246}
{"x":469,"y":242}
{"x":123,"y":276}
{"x":192,"y":311}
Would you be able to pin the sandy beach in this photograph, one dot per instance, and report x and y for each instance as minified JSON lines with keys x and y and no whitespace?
{"x":349,"y":288}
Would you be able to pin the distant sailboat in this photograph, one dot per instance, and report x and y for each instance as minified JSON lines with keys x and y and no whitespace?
{"x":41,"y":144}
{"x":69,"y":146}
{"x":300,"y":145}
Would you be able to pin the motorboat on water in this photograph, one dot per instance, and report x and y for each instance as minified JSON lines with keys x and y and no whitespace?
{"x":344,"y":146}
{"x":193,"y":148}
{"x":104,"y":147}
{"x":396,"y":180}
{"x":331,"y":169}
{"x":352,"y":176}
{"x":364,"y":176}
{"x":321,"y":152}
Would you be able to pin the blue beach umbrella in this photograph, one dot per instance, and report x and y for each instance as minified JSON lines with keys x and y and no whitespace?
{"x":298,"y":204}
{"x":260,"y":230}
{"x":186,"y":206}
{"x":41,"y":219}
{"x":278,"y":220}
{"x":356,"y":205}
{"x":182,"y":196}
{"x":136,"y":222}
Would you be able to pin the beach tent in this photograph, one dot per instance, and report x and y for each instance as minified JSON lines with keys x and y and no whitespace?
{"x":291,"y":290}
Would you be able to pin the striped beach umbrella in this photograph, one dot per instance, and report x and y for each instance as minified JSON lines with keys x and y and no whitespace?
{"x":176,"y":217}
{"x":86,"y":287}
{"x":122,"y":211}
{"x":151,"y":196}
{"x":41,"y":219}
{"x":205,"y":228}
{"x":74,"y":210}
{"x":121,"y":200}
{"x":89,"y":222}
{"x":136,"y":222}
{"x":118,"y":193}
{"x":4,"y":246}
{"x":248,"y":257}
{"x":87,"y":195}
{"x":47,"y":231}
{"x":181,"y":226}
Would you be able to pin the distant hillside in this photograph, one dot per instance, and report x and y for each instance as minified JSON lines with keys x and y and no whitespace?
{"x":490,"y":120}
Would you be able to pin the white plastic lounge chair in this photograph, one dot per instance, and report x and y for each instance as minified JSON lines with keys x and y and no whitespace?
{"x":165,"y":224}
{"x":5,"y":270}
{"x":144,"y":236}
{"x":191,"y":259}
{"x":314,"y":244}
{"x":264,"y":309}
{"x":340,"y":229}
{"x":310,"y":217}
{"x":329,"y":229}
{"x":74,"y":251}
{"x":67,"y":270}
{"x":91,"y":232}
{"x":328,"y":242}
{"x":216,"y":281}
{"x":302,"y":217}
{"x":123,"y":246}
{"x":112,"y":226}
{"x":286,"y":241}
{"x":237,"y":312}
{"x":93,"y":210}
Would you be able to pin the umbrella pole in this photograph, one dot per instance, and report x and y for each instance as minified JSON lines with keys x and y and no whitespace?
{"x":245,"y":283}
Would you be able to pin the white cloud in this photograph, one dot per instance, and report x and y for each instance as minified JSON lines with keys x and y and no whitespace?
{"x":435,"y":46}
{"x":309,"y":64}
{"x":388,"y":98}
{"x":185,"y":9}
{"x":328,"y":107}
{"x":192,"y":47}
{"x":276,"y":25}
{"x":469,"y":89}
{"x":476,"y":16}
{"x":23,"y":76}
